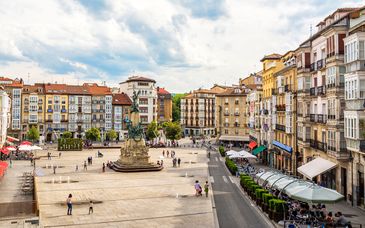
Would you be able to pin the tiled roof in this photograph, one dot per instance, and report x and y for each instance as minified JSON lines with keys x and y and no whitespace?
{"x":95,"y":89}
{"x":121,"y":99}
{"x":162,"y":91}
{"x":77,"y":90}
{"x":8,"y":82}
{"x":271,"y":56}
{"x":140,"y":78}
{"x":38,"y":88}
{"x":56,"y":88}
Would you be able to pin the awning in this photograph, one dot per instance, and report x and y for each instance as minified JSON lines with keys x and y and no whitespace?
{"x":282,"y":146}
{"x":234,"y":138}
{"x":11,"y":139}
{"x":258,"y":150}
{"x":252,"y":145}
{"x":316,"y":167}
{"x":4,"y":151}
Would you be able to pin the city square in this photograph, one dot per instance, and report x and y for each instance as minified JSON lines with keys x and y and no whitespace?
{"x":183,"y":113}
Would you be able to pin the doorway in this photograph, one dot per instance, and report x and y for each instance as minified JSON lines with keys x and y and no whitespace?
{"x":344,"y":182}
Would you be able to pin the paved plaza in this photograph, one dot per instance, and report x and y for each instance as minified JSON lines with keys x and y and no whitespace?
{"x":151,"y":199}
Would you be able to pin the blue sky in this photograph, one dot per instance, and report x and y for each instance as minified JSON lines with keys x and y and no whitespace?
{"x":183,"y":44}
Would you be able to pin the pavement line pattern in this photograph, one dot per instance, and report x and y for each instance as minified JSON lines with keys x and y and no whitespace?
{"x":211,"y":178}
{"x":231,"y":179}
{"x":128,"y":220}
{"x":225,"y":179}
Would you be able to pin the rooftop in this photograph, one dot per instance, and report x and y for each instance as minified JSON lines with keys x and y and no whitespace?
{"x":162,"y":91}
{"x":271,"y":56}
{"x":121,"y":99}
{"x":139,"y":79}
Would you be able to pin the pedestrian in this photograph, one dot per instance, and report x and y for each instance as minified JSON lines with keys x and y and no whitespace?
{"x":103,"y":167}
{"x":77,"y":168}
{"x":158,"y":163}
{"x":69,"y":204}
{"x":11,"y":162}
{"x":161,"y":162}
{"x":91,"y":160}
{"x":48,"y":156}
{"x":206,"y":188}
{"x":163,"y":153}
{"x":178,"y":162}
{"x":167,"y":153}
{"x":198,"y":189}
{"x":91,"y":207}
{"x":85,"y":166}
{"x":54,"y":169}
{"x":59,"y":154}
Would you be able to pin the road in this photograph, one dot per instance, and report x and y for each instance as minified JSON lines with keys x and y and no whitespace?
{"x":233,"y":208}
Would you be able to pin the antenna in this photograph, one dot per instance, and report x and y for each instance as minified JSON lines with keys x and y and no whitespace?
{"x":310,"y":30}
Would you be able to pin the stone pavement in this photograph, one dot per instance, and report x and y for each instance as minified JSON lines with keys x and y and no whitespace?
{"x":152,"y":199}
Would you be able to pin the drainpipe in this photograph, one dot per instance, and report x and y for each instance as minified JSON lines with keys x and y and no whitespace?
{"x":352,"y":179}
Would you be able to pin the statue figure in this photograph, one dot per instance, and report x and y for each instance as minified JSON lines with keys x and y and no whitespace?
{"x":134,"y":107}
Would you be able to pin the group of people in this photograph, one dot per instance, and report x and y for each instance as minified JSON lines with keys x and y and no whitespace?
{"x":168,"y":153}
{"x":316,"y":214}
{"x":69,"y":205}
{"x":199,"y":190}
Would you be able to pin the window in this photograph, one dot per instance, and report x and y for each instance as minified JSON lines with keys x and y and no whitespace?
{"x":351,"y":127}
{"x":33,"y":118}
{"x":332,"y":140}
{"x":331,"y":75}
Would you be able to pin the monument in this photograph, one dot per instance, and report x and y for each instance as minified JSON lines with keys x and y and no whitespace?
{"x":134,"y":152}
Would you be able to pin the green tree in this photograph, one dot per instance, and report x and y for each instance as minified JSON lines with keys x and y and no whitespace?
{"x":176,"y":111}
{"x":173,"y":131}
{"x":93,"y":134}
{"x":111,"y":134}
{"x":66,"y":135}
{"x":152,"y":130}
{"x":33,"y":134}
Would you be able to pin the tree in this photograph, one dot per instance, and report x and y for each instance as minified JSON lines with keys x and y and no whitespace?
{"x":93,"y":134}
{"x":176,"y":112}
{"x":111,"y":134}
{"x":152,"y":130}
{"x":173,"y":131}
{"x":33,"y":134}
{"x":67,"y":135}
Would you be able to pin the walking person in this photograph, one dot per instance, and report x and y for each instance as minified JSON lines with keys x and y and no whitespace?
{"x":69,"y":204}
{"x":91,"y":207}
{"x":77,"y":168}
{"x":103,"y":167}
{"x":198,"y":189}
{"x":163,"y":153}
{"x":85,"y":166}
{"x":59,"y":154}
{"x":178,"y":162}
{"x":54,"y":169}
{"x":167,"y":153}
{"x":206,"y":188}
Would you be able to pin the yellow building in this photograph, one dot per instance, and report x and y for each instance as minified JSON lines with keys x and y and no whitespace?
{"x":33,"y":109}
{"x":252,"y":79}
{"x":230,"y":117}
{"x":284,"y":110}
{"x":164,"y":105}
{"x":56,"y":110}
{"x":271,"y":64}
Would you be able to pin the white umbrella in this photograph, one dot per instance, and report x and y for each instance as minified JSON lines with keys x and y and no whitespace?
{"x":247,"y":154}
{"x":312,"y":193}
{"x":236,"y":156}
{"x":25,"y":148}
{"x":231,"y":152}
{"x":36,"y":147}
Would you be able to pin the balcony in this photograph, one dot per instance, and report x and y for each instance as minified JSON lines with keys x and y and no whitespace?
{"x":273,"y":92}
{"x":226,"y":125}
{"x":312,"y":118}
{"x":102,"y":102}
{"x":49,"y":120}
{"x":40,"y":110}
{"x":63,"y":110}
{"x":26,"y":110}
{"x":313,"y":91}
{"x":280,"y":127}
{"x":280,"y":108}
{"x":226,"y":114}
{"x":321,"y":118}
{"x":49,"y":110}
{"x":236,"y":113}
{"x":236,"y":124}
{"x":63,"y":120}
{"x":320,"y":64}
{"x":321,"y":90}
{"x":236,"y":102}
{"x":318,"y":145}
{"x":313,"y":67}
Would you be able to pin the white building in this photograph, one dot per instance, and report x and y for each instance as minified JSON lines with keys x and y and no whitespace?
{"x":147,"y":99}
{"x":4,"y":116}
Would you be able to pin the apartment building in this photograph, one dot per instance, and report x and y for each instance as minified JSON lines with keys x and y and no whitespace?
{"x":4,"y":116}
{"x":271,"y":64}
{"x":147,"y":98}
{"x":56,"y":110}
{"x":198,"y":111}
{"x":252,"y":79}
{"x":13,"y":87}
{"x":33,"y":109}
{"x":79,"y":100}
{"x":230,"y":117}
{"x":101,"y":106}
{"x":164,"y":105}
{"x":121,"y":113}
{"x":325,"y":103}
{"x":284,"y":110}
{"x":253,"y":117}
{"x":354,"y":113}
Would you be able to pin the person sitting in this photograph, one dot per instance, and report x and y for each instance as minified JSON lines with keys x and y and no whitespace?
{"x":341,"y":221}
{"x":329,"y":220}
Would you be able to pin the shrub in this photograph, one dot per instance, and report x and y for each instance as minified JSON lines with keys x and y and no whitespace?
{"x":259,"y":192}
{"x":231,"y":166}
{"x":69,"y":144}
{"x":277,"y":205}
{"x":266,"y":197}
{"x":221,"y":151}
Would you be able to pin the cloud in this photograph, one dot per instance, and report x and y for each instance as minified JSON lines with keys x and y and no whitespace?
{"x":183,"y":44}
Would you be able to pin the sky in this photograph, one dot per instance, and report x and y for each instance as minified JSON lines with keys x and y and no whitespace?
{"x":182,"y":44}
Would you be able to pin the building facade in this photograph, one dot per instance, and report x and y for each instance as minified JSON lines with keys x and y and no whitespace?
{"x":198,"y":112}
{"x":271,"y":64}
{"x":284,"y":111}
{"x":164,"y":105}
{"x":354,"y":114}
{"x":147,"y":99}
{"x":4,"y":116}
{"x":253,"y":117}
{"x":230,"y":117}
